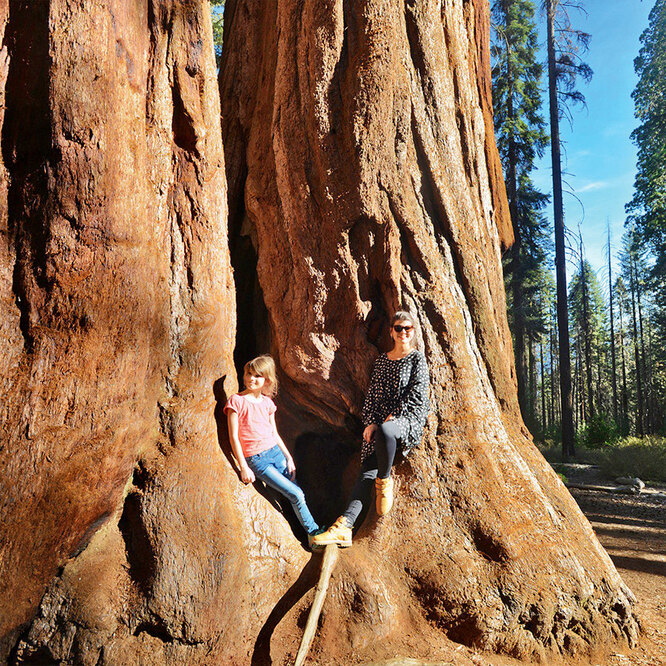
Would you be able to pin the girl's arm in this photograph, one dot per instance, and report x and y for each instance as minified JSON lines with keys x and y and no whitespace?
{"x":291,"y":467}
{"x":247,"y":475}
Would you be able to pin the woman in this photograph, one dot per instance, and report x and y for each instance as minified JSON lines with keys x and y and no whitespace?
{"x":394,"y":414}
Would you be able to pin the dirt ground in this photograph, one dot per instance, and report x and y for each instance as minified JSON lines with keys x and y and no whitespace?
{"x":632,"y":528}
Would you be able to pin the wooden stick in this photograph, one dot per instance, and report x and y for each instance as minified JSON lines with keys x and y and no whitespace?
{"x":330,"y":558}
{"x":599,"y":489}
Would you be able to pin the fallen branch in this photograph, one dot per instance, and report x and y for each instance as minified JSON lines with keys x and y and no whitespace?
{"x":627,"y":490}
{"x":585,"y":486}
{"x":327,"y":565}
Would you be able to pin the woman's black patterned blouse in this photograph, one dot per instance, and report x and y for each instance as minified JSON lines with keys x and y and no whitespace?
{"x":399,"y":388}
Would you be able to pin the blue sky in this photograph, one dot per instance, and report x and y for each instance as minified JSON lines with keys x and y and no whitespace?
{"x":600,"y":158}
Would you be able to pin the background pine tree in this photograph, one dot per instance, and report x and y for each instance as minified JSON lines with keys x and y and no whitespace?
{"x":519,"y":127}
{"x":647,"y":209}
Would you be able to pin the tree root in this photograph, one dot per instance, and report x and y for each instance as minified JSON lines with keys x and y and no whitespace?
{"x":327,"y":565}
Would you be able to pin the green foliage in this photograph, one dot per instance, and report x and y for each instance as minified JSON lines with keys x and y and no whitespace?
{"x":217,"y":16}
{"x":552,"y":435}
{"x":644,"y":457}
{"x":633,"y":257}
{"x":587,"y":308}
{"x":570,"y":42}
{"x":587,"y":316}
{"x":647,"y":209}
{"x":598,"y":432}
{"x":521,"y":137}
{"x":538,"y":297}
{"x":584,"y":284}
{"x":619,"y":384}
{"x":648,"y":206}
{"x":519,"y":125}
{"x":622,"y":305}
{"x":516,"y":73}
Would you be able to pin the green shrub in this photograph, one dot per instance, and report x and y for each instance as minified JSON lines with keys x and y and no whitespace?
{"x":553,"y":434}
{"x":600,"y":431}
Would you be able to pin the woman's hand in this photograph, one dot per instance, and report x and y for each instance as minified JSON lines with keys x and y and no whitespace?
{"x":291,"y":468}
{"x":247,"y":475}
{"x":369,"y":432}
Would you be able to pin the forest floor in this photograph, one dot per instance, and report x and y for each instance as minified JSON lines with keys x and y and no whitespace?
{"x":632,"y":529}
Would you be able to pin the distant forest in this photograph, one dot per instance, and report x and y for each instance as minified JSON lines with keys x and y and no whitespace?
{"x":614,"y":319}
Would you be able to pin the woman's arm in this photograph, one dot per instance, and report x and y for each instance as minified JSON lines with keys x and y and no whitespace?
{"x":247,"y":475}
{"x":369,"y":413}
{"x":415,"y":402}
{"x":291,"y":467}
{"x":370,"y":404}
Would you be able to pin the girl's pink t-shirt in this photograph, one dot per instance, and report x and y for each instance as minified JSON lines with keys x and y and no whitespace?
{"x":255,"y":431}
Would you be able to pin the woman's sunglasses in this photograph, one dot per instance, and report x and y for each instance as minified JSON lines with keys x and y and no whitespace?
{"x":399,"y":329}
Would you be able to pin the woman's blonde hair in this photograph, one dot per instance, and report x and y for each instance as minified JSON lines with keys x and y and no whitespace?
{"x":264,"y":366}
{"x":403,"y":315}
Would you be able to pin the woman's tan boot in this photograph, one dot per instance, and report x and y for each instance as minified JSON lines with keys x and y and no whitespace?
{"x":338,"y":533}
{"x":384,"y":491}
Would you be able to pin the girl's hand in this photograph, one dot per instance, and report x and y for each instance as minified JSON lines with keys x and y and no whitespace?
{"x":369,"y":432}
{"x":247,"y":475}
{"x":291,"y":468}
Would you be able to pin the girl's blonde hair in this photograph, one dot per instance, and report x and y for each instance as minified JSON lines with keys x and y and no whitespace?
{"x":264,"y":366}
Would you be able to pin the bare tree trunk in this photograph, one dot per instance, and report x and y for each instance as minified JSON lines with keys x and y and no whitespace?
{"x":637,"y":355}
{"x":560,"y":256}
{"x":612,"y":330}
{"x":587,"y":336}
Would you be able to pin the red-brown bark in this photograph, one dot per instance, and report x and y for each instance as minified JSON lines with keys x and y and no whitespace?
{"x":118,"y":316}
{"x":362,"y":175}
{"x":362,"y":169}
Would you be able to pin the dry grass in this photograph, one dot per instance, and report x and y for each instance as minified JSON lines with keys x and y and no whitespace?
{"x":644,"y":457}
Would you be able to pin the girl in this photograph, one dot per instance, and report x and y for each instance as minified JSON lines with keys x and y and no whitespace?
{"x":394,"y":414}
{"x":259,"y":450}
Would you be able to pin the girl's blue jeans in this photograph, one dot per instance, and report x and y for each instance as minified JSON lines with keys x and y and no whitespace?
{"x":271,"y":467}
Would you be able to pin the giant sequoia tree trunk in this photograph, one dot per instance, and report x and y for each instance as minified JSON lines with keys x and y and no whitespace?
{"x":117,"y":317}
{"x":362,"y":175}
{"x":362,"y":169}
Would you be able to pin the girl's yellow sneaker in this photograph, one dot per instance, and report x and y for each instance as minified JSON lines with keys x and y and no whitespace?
{"x":338,"y":533}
